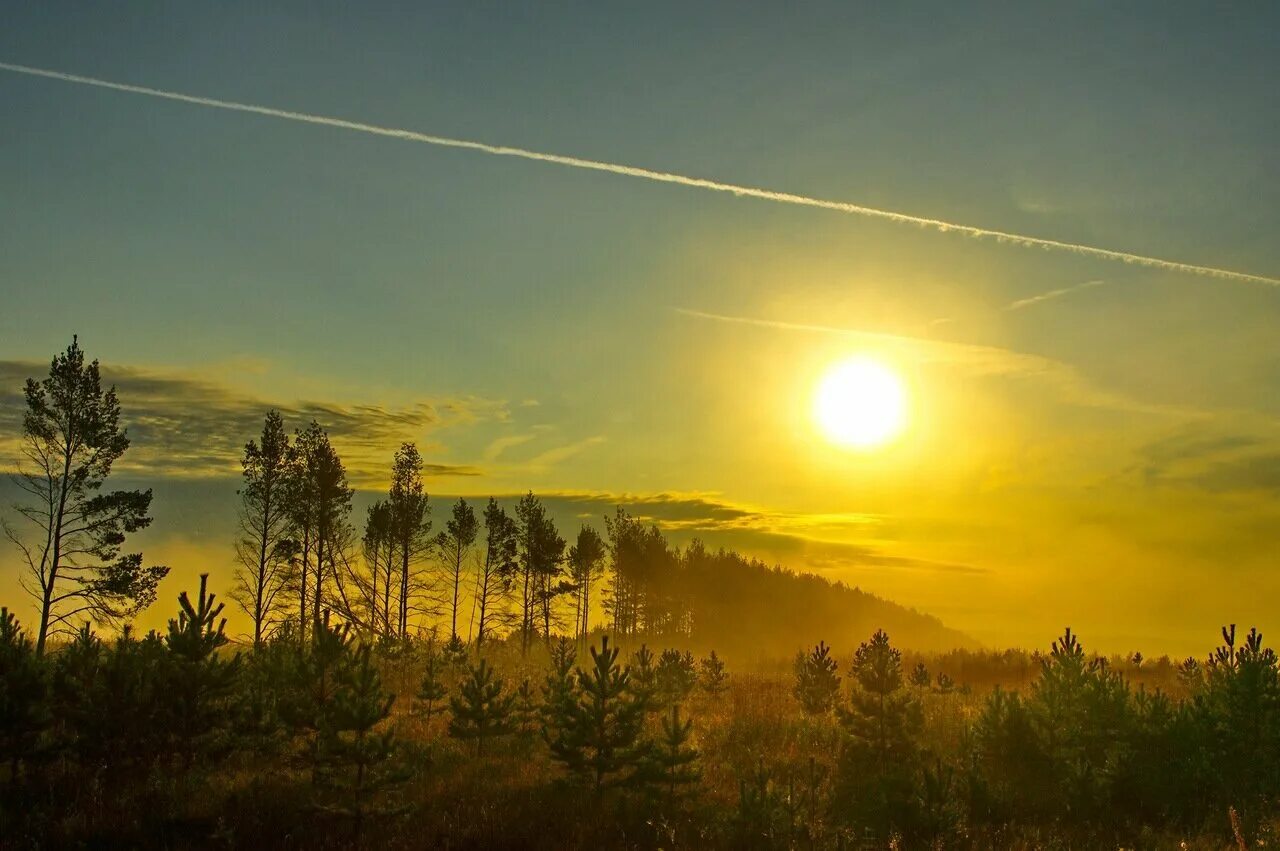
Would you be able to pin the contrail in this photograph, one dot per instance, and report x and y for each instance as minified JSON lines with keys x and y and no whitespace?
{"x":662,"y":177}
{"x":1051,"y":294}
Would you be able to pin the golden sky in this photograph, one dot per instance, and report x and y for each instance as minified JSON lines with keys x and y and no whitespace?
{"x":1087,"y":441}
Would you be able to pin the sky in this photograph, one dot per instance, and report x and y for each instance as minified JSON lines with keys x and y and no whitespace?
{"x":1089,"y":442}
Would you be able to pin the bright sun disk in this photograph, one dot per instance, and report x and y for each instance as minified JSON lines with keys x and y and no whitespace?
{"x":860,"y":403}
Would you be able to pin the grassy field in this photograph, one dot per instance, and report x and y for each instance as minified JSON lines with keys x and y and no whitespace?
{"x":768,"y":774}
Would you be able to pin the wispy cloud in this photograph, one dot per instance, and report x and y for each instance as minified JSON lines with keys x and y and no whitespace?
{"x":1051,"y":295}
{"x":661,"y":177}
{"x":186,"y":426}
{"x":979,"y":360}
{"x":1222,"y":458}
{"x":558,"y":455}
{"x":500,"y":445}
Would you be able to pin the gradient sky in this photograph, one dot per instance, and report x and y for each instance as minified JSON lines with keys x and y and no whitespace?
{"x":1106,"y":456}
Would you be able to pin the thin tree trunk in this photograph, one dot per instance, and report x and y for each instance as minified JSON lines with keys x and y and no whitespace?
{"x":55,"y":534}
{"x":262,"y":574}
{"x":404,"y":588}
{"x":302,"y":589}
{"x":457,"y":578}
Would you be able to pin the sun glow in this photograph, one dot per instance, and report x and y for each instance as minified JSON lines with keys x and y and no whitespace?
{"x":860,"y":403}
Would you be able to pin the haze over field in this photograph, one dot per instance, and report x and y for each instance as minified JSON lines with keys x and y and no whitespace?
{"x":1080,"y":432}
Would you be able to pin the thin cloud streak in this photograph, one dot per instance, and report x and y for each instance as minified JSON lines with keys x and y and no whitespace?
{"x":977,"y":359}
{"x":662,"y":177}
{"x":1051,"y":294}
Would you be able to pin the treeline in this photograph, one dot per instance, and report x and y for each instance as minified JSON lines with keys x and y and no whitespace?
{"x":479,"y":571}
{"x":496,"y":571}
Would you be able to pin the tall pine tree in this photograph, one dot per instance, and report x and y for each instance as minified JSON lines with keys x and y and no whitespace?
{"x":265,"y":549}
{"x":74,"y":531}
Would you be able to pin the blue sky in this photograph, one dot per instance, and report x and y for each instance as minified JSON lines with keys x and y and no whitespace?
{"x":284,"y":263}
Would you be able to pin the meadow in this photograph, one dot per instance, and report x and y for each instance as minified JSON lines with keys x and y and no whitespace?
{"x":186,"y":740}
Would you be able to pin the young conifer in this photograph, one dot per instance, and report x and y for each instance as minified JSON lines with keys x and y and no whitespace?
{"x":309,"y":705}
{"x":481,"y":711}
{"x":711,"y":675}
{"x":670,"y":764}
{"x":597,"y":735}
{"x":644,"y":677}
{"x":876,"y":777}
{"x":759,"y":808}
{"x":202,"y":682}
{"x":355,"y":754}
{"x":558,"y":688}
{"x":24,"y":708}
{"x":527,"y":713}
{"x":817,"y":684}
{"x":676,"y":675}
{"x":431,"y":689}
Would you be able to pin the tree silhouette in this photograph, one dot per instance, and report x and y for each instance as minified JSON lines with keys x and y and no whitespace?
{"x":379,"y":555}
{"x":266,"y":547}
{"x":455,"y":544}
{"x":597,"y":735}
{"x":319,"y":502}
{"x":496,"y":573}
{"x":481,"y":711}
{"x":540,"y":559}
{"x":644,"y":677}
{"x":712,"y":676}
{"x":817,"y":685}
{"x":676,"y":675}
{"x":73,"y":567}
{"x":670,"y":763}
{"x":355,"y":754}
{"x":586,"y":564}
{"x":875,"y":782}
{"x":558,"y":687}
{"x":201,"y":683}
{"x":24,"y":708}
{"x":431,"y":688}
{"x":410,"y":527}
{"x":315,"y":687}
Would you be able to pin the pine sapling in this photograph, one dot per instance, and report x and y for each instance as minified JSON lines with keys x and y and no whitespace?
{"x":670,"y":764}
{"x":455,"y":653}
{"x":310,"y":704}
{"x":644,"y":677}
{"x":24,"y":709}
{"x":481,"y":711}
{"x":203,"y":682}
{"x":355,"y":754}
{"x":920,"y":677}
{"x":431,"y":690}
{"x":676,"y":675}
{"x":558,"y":688}
{"x":526,"y":715}
{"x":597,"y":735}
{"x":817,"y":685}
{"x":711,"y":675}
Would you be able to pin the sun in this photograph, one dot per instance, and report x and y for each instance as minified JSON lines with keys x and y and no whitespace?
{"x":860,"y":403}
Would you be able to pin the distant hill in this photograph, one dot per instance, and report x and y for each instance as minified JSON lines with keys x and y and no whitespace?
{"x":755,"y":611}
